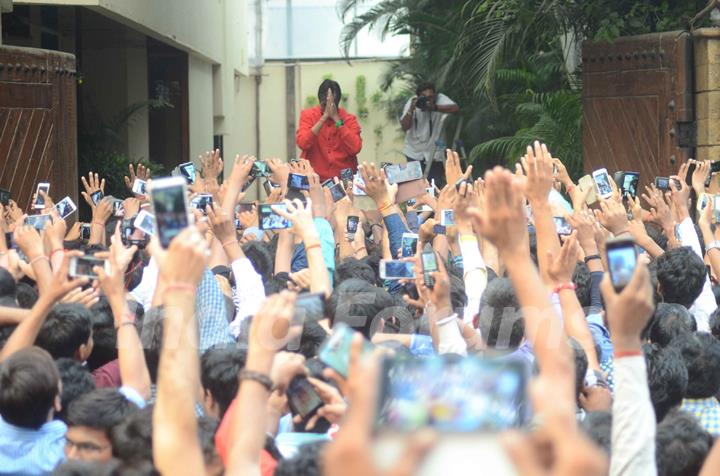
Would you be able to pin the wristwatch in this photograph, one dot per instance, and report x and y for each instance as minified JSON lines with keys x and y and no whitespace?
{"x":339,"y":123}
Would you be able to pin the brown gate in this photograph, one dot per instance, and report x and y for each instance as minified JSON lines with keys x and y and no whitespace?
{"x":38,"y":139}
{"x":638,"y":104}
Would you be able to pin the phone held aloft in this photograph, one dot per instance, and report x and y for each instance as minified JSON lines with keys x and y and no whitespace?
{"x":621,"y":256}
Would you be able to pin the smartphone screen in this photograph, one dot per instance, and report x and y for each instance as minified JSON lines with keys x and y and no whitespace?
{"x":346,"y":175}
{"x":187,"y":171}
{"x":260,"y":169}
{"x":662,"y":183}
{"x":139,"y":187}
{"x":39,"y":200}
{"x":429,"y":262}
{"x":337,"y":191}
{"x":357,"y":191}
{"x":303,"y":399}
{"x":4,"y":197}
{"x":412,"y":221}
{"x":562,"y":227}
{"x":65,"y":207}
{"x":85,"y":231}
{"x":393,"y":269}
{"x":37,"y":221}
{"x":452,"y":396}
{"x":439,"y":229}
{"x":96,"y":196}
{"x":602,"y":181}
{"x":269,"y":220}
{"x":447,"y":217}
{"x":398,"y":173}
{"x":82,"y":266}
{"x":630,"y":184}
{"x":621,"y":259}
{"x":409,"y":244}
{"x":335,"y":351}
{"x":201,"y":202}
{"x":309,"y":307}
{"x":145,"y":222}
{"x":169,"y":199}
{"x":352,"y":224}
{"x":298,"y":182}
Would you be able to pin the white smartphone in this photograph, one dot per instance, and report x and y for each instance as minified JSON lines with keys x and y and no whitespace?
{"x":394,"y":269}
{"x":602,"y":183}
{"x":82,"y":266}
{"x":145,"y":221}
{"x":139,"y":187}
{"x":39,"y":200}
{"x":65,"y":207}
{"x":170,"y":204}
{"x":357,"y":191}
{"x":409,"y":244}
{"x":447,"y":217}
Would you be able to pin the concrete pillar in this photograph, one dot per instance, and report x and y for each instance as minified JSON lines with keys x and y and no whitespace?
{"x":707,"y":93}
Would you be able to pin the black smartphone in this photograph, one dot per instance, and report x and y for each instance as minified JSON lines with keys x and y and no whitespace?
{"x":412,"y":221}
{"x":260,"y":169}
{"x":429,"y":265}
{"x":169,"y":200}
{"x":202,"y":201}
{"x":621,"y":261}
{"x":298,"y":182}
{"x":304,"y":401}
{"x":85,"y":231}
{"x":269,"y":186}
{"x":629,"y":185}
{"x":662,"y":183}
{"x":346,"y":175}
{"x":187,"y":170}
{"x":352,"y":224}
{"x":337,"y":191}
{"x":4,"y":197}
{"x":269,"y":220}
{"x":96,"y":196}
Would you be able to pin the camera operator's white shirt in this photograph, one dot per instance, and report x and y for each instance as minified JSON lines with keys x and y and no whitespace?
{"x":420,"y":139}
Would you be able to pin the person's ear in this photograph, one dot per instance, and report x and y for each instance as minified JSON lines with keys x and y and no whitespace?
{"x":57,"y":404}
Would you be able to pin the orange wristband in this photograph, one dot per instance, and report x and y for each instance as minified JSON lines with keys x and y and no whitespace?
{"x":619,"y":354}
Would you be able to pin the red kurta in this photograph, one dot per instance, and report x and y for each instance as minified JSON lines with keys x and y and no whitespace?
{"x":335,"y":148}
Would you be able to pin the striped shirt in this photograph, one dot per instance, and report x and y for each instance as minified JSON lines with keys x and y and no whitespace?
{"x":28,"y":452}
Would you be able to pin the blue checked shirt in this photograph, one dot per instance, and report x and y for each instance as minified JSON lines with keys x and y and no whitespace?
{"x":27,"y":452}
{"x":211,"y":313}
{"x":707,"y":412}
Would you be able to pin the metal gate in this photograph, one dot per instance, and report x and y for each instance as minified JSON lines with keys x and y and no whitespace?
{"x":638,"y":104}
{"x":38,"y":138}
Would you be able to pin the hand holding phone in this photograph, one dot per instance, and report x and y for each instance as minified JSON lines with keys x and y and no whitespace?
{"x":429,"y":265}
{"x":39,"y":203}
{"x":621,"y":260}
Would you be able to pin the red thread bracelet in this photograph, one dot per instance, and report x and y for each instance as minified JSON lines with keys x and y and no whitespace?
{"x":56,"y":251}
{"x":38,"y":258}
{"x":184,"y":287}
{"x":229,"y":242}
{"x":562,"y":287}
{"x":619,"y":354}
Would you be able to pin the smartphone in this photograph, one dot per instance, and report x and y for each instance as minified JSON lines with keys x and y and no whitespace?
{"x":621,"y":260}
{"x":139,"y":187}
{"x":702,"y":202}
{"x":269,"y":186}
{"x":399,"y":173}
{"x":38,"y":221}
{"x":335,"y":351}
{"x":170,"y":206}
{"x":716,"y":209}
{"x":39,"y":200}
{"x":269,"y":220}
{"x":304,"y":401}
{"x":630,"y":181}
{"x":202,"y":201}
{"x":82,"y":266}
{"x":346,"y":175}
{"x":395,"y":269}
{"x":298,"y":182}
{"x":412,"y":221}
{"x":351,"y":226}
{"x":447,"y":217}
{"x":662,"y":183}
{"x":187,"y":171}
{"x":65,"y":207}
{"x":327,"y":183}
{"x":85,"y":231}
{"x":145,"y":221}
{"x":562,"y":227}
{"x":429,"y":265}
{"x":118,"y":208}
{"x":586,"y":182}
{"x":602,"y":183}
{"x":337,"y":191}
{"x":260,"y":169}
{"x":309,"y":307}
{"x":244,"y":207}
{"x":459,"y":183}
{"x":4,"y":197}
{"x":357,"y":191}
{"x":96,"y":196}
{"x":409,"y":244}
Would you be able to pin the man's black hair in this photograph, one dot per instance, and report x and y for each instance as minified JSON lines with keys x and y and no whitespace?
{"x":353,"y":268}
{"x":132,"y":438}
{"x":714,"y":323}
{"x":66,"y":328}
{"x":680,"y":275}
{"x":113,"y":467}
{"x":219,"y":370}
{"x":668,"y":322}
{"x":8,"y":286}
{"x":260,"y":257}
{"x":583,"y":284}
{"x":76,"y":381}
{"x":151,"y":333}
{"x":306,"y":462}
{"x":667,"y":378}
{"x":458,"y":298}
{"x":657,"y":235}
{"x":27,"y":296}
{"x":424,"y":86}
{"x":701,"y":354}
{"x":501,"y":322}
{"x":104,"y":335}
{"x":373,"y":260}
{"x":581,"y":365}
{"x":206,"y":434}
{"x":5,"y":333}
{"x":29,"y":383}
{"x":332,"y":85}
{"x":313,"y":335}
{"x":277,"y":283}
{"x":598,"y":427}
{"x":100,"y":409}
{"x":360,"y":305}
{"x":681,"y":445}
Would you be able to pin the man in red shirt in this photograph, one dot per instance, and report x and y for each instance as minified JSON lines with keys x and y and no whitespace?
{"x":328,"y":135}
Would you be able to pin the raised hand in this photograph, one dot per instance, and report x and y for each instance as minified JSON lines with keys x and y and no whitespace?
{"x":374,"y":187}
{"x":222,"y":224}
{"x":563,"y":265}
{"x":29,"y":241}
{"x":538,"y":167}
{"x":141,"y":173}
{"x":301,"y":218}
{"x":280,"y":171}
{"x":700,"y":175}
{"x":211,"y":163}
{"x":92,"y":184}
{"x":453,"y":169}
{"x":612,"y":215}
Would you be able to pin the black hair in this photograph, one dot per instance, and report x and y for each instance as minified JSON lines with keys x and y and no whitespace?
{"x":277,"y":283}
{"x":66,"y":328}
{"x":681,"y":445}
{"x":581,"y":365}
{"x":27,"y":295}
{"x":104,"y":334}
{"x":583,"y":284}
{"x":28,"y":386}
{"x":151,"y":334}
{"x":668,"y":322}
{"x":219,"y":369}
{"x":5,"y":333}
{"x":598,"y":427}
{"x":313,"y":335}
{"x":100,"y":409}
{"x":132,"y":438}
{"x":113,"y":467}
{"x":76,"y":381}
{"x":657,"y":235}
{"x":306,"y":462}
{"x":323,"y":89}
{"x":353,"y":268}
{"x":424,"y":86}
{"x":701,"y":354}
{"x":360,"y":305}
{"x":501,"y":322}
{"x":667,"y":378}
{"x":260,"y":257}
{"x":681,"y":276}
{"x":8,"y":286}
{"x":714,"y":323}
{"x":373,"y":260}
{"x":206,"y":434}
{"x":458,"y":298}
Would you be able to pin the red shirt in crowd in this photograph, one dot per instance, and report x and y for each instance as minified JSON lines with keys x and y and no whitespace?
{"x":335,"y":148}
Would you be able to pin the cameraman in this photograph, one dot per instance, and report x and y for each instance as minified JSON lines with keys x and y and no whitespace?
{"x":423,"y":121}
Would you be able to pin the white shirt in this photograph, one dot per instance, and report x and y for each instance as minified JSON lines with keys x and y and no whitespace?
{"x":475,"y":275}
{"x":426,"y":129}
{"x":705,"y":304}
{"x":249,"y":292}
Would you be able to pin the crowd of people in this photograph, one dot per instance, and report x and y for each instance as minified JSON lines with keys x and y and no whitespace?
{"x":510,"y":348}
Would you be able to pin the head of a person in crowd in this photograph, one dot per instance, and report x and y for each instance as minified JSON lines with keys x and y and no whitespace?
{"x":151,"y":332}
{"x":401,"y":321}
{"x":90,"y":418}
{"x":701,"y":354}
{"x":581,"y":365}
{"x":8,"y":289}
{"x":598,"y":427}
{"x":5,"y":332}
{"x":131,"y":439}
{"x":714,"y":323}
{"x":680,"y":275}
{"x":353,"y":268}
{"x":657,"y":235}
{"x":667,"y":378}
{"x":311,"y":338}
{"x":668,"y":322}
{"x":67,"y":332}
{"x":76,"y":381}
{"x":458,"y":298}
{"x":27,"y":295}
{"x":113,"y":467}
{"x":103,"y":333}
{"x":361,"y":306}
{"x":426,"y":89}
{"x":276,"y":283}
{"x":29,"y":388}
{"x":219,"y":370}
{"x":329,"y":85}
{"x":716,"y":293}
{"x":260,"y":257}
{"x":307,"y":461}
{"x":681,"y":445}
{"x":583,"y":284}
{"x":373,"y":260}
{"x":500,"y":321}
{"x":206,"y":434}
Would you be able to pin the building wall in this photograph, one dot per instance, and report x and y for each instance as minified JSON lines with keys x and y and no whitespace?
{"x":200,"y":98}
